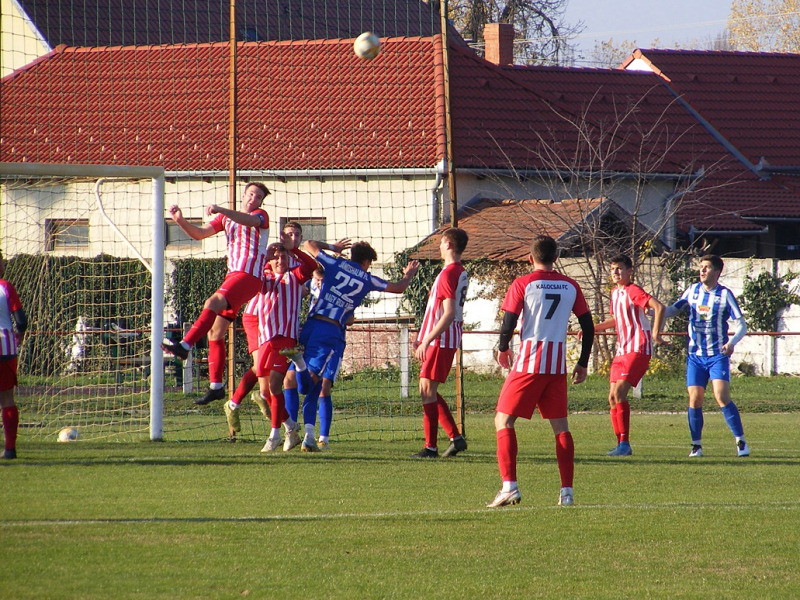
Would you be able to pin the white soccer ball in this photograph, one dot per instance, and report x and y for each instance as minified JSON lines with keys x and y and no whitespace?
{"x":68,"y":434}
{"x":367,"y":45}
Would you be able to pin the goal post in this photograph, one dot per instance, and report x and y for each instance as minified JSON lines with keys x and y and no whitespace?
{"x":31,"y":175}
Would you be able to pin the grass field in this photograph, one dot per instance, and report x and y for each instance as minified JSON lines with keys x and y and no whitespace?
{"x":215,"y":520}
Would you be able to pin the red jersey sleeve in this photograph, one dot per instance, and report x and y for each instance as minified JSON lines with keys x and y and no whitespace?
{"x":217,"y":223}
{"x":638,"y":296}
{"x":514,"y":297}
{"x":260,"y":212}
{"x":307,"y":265}
{"x":580,"y":307}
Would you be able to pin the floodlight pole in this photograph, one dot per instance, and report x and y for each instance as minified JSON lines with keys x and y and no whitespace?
{"x":232,"y":171}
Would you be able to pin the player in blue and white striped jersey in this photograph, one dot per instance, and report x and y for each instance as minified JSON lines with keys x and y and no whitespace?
{"x":711,"y":305}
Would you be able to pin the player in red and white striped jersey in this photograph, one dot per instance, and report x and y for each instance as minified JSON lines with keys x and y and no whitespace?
{"x":246,"y":232}
{"x":438,"y":339}
{"x":538,"y":377}
{"x":629,"y":304}
{"x":13,"y":323}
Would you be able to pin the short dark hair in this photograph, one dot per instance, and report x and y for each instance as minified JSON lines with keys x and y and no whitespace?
{"x":293,"y":225}
{"x":715,"y":261}
{"x":622,"y":259}
{"x":275,"y":248}
{"x":362,"y":251}
{"x":260,"y":186}
{"x":457,"y":237}
{"x":544,"y":249}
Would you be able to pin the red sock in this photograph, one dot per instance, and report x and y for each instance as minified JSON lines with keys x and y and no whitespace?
{"x":201,"y":327}
{"x":446,"y":419}
{"x":565,"y":456}
{"x":278,"y":410}
{"x":10,"y":426}
{"x":624,"y":412}
{"x":430,"y":423}
{"x":507,"y":453}
{"x":615,"y":420}
{"x":216,"y":360}
{"x":246,"y":384}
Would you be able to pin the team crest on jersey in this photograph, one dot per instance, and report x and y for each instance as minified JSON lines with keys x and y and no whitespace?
{"x":704,"y":312}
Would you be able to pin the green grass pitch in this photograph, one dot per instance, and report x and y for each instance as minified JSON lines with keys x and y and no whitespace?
{"x":216,"y":520}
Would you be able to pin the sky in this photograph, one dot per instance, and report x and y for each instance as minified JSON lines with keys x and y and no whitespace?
{"x":670,"y":21}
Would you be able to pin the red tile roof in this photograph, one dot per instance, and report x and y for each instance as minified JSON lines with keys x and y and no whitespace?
{"x":309,"y":104}
{"x":503,"y":229}
{"x":94,"y":23}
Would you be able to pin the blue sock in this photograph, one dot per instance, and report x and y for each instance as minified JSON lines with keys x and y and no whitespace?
{"x":696,"y":423}
{"x":310,"y":405}
{"x":325,"y":415}
{"x":733,"y":419}
{"x":291,"y":399}
{"x":304,"y":381}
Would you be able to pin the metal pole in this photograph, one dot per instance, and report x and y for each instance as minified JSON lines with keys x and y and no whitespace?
{"x":451,"y":184}
{"x":232,"y":170}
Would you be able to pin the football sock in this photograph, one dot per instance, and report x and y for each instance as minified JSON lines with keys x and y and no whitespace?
{"x":216,"y":361}
{"x":565,"y":456}
{"x":509,"y":485}
{"x":246,"y":384}
{"x":325,"y":416}
{"x":624,"y":416}
{"x":310,"y":404}
{"x":278,"y":410}
{"x":615,"y":420}
{"x":291,"y":399}
{"x":275,"y":434}
{"x":695,"y":424}
{"x":309,"y":429}
{"x":507,"y":454}
{"x":446,"y":419}
{"x":733,"y":419}
{"x":200,"y":327}
{"x":430,"y":424}
{"x":10,"y":426}
{"x":304,"y":382}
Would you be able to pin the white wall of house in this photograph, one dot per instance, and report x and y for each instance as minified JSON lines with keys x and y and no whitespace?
{"x":19,"y":42}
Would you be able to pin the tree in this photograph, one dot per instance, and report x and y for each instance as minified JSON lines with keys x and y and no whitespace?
{"x":538,"y":23}
{"x":765,"y":25}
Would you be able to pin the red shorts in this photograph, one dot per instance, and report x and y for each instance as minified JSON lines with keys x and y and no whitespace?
{"x":268,"y":358}
{"x":250,"y":325}
{"x":523,"y":392}
{"x":8,"y":374}
{"x":437,"y":364}
{"x":237,"y":289}
{"x":629,"y":367}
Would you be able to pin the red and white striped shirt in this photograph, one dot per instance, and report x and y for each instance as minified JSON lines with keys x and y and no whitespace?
{"x":9,"y":304}
{"x":246,"y":245}
{"x":545,"y":300}
{"x":452,"y":283}
{"x":630,"y":320}
{"x":280,"y":298}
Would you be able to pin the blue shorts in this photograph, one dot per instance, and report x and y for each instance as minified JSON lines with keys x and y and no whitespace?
{"x":699,"y":369}
{"x":324,"y":347}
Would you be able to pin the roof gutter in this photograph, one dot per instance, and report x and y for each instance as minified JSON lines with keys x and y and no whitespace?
{"x":694,"y":232}
{"x":312,"y":173}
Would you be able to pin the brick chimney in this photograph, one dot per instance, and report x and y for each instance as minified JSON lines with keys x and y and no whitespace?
{"x":499,"y":39}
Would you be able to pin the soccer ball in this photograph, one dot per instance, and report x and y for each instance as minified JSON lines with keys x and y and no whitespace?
{"x":367,"y":45}
{"x":68,"y":434}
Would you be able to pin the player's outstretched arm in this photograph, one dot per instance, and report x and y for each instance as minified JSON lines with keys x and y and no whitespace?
{"x":242,"y":218}
{"x":398,"y":287}
{"x":314,"y":247}
{"x":196,"y":232}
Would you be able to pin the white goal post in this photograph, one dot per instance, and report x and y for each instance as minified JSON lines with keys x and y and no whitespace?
{"x":10,"y":170}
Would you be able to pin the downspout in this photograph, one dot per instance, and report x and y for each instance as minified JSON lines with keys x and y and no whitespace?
{"x":435,"y":196}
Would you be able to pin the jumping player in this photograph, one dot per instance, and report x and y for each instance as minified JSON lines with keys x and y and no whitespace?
{"x":629,"y":304}
{"x":345,"y":284}
{"x":247,"y":233}
{"x":711,"y":305}
{"x":13,"y":323}
{"x":436,"y":344}
{"x":538,"y":376}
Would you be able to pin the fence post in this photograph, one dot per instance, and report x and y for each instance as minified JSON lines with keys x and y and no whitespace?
{"x":188,"y":384}
{"x":404,"y":362}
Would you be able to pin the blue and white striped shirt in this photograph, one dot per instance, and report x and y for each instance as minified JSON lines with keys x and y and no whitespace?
{"x":709,"y":313}
{"x":344,"y":286}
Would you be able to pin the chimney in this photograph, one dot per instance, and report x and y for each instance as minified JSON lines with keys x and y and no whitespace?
{"x":499,"y":39}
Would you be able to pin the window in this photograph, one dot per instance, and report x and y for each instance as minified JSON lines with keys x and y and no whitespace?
{"x":177,"y":238}
{"x":314,"y":228}
{"x":66,"y":234}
